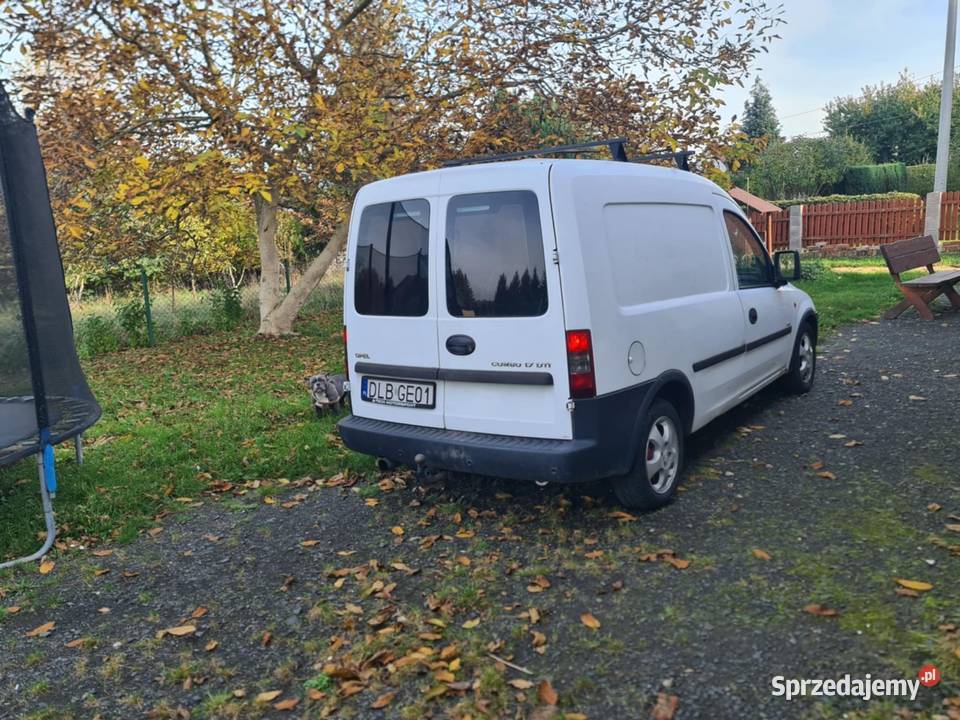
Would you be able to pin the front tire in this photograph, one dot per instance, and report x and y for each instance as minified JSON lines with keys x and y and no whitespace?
{"x":803,"y":361}
{"x":652,"y":482}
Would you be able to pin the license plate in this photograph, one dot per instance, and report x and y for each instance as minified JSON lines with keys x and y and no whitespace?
{"x":401,"y":393}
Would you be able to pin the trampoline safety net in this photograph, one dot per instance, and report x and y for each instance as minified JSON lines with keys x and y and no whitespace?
{"x":44,"y":397}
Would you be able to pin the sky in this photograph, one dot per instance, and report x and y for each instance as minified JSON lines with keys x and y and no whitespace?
{"x":835,"y":48}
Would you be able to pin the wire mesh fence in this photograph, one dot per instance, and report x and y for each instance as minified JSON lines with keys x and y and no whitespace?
{"x":149,"y":313}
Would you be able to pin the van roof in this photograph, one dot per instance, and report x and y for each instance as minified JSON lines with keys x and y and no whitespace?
{"x":571,"y":168}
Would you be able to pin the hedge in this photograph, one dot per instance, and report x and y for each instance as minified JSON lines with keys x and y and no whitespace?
{"x":863,"y":179}
{"x":920,"y":178}
{"x":821,"y":199}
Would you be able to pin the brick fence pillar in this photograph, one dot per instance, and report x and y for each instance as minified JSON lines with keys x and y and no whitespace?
{"x":796,"y":227}
{"x":931,"y":216}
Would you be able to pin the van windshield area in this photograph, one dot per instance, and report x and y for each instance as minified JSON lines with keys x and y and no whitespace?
{"x":495,"y":263}
{"x":391,"y":261}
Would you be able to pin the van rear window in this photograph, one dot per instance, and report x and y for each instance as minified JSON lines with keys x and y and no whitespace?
{"x":391,"y":263}
{"x":495,"y":263}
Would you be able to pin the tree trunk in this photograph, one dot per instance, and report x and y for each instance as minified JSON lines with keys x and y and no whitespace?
{"x":280,"y":320}
{"x":270,"y":294}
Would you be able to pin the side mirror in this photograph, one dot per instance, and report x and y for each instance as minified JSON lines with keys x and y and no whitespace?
{"x":786,"y":265}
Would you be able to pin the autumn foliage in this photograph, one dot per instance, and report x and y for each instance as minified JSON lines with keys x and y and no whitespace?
{"x":163,"y":122}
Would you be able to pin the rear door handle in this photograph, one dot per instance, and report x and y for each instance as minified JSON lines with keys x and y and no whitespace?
{"x":461,"y":344}
{"x":753,"y":316}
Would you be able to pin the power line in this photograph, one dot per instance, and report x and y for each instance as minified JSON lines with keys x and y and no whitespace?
{"x":823,"y":108}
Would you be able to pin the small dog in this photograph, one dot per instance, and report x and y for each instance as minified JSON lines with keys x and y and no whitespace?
{"x":327,"y":393}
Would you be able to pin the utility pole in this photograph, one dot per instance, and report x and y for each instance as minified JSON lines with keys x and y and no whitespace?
{"x":946,"y":100}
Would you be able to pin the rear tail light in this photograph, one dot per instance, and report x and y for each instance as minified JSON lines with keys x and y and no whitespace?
{"x":346,"y":357}
{"x":583,"y":383}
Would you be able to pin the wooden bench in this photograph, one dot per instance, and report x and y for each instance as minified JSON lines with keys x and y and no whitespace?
{"x":915,"y":253}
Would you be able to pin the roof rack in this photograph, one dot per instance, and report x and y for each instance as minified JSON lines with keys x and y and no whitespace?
{"x":617,"y":147}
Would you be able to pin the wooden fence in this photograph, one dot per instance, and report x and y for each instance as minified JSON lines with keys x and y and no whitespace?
{"x":862,"y":223}
{"x":950,"y":217}
{"x":778,"y":224}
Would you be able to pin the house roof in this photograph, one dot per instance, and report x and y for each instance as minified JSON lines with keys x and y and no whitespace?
{"x":752,"y":201}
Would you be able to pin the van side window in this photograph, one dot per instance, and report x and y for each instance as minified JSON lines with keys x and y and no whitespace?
{"x":749,"y":257}
{"x":495,"y":263}
{"x":391,"y":263}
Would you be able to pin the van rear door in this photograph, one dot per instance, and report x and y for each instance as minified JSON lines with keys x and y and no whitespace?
{"x":502,"y":345}
{"x":389,"y":312}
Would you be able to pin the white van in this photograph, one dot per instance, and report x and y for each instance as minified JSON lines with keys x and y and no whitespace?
{"x":560,"y":320}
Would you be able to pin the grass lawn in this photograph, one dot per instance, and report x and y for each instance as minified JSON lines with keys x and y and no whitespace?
{"x":852,"y":289}
{"x":228,"y":407}
{"x":222,"y":407}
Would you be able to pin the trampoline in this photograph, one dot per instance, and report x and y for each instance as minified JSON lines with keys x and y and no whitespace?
{"x":44,"y":396}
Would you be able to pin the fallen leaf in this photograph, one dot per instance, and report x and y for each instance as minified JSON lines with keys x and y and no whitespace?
{"x":622,"y":516}
{"x":267,"y":696}
{"x":665,"y":708}
{"x":181,"y":630}
{"x":153,"y":532}
{"x":73,"y":644}
{"x":13,"y":610}
{"x":590,"y":621}
{"x":383,"y":700}
{"x":826,"y":475}
{"x":546,"y":694}
{"x":917,"y":398}
{"x":199,"y":612}
{"x":309,"y":543}
{"x":47,"y":566}
{"x":821,"y":610}
{"x":761,"y":554}
{"x":917,"y":585}
{"x":954,"y":528}
{"x":837,"y":436}
{"x":44,"y":629}
{"x":852,"y":444}
{"x":934,"y":507}
{"x":211,"y":646}
{"x":905,"y":592}
{"x":678,"y":563}
{"x":817,"y":465}
{"x":102,"y":553}
{"x":845,"y":402}
{"x":397,"y":530}
{"x":471,"y":624}
{"x":520,"y":684}
{"x":288,"y":704}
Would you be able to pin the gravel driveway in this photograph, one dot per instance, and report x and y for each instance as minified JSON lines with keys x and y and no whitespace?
{"x":378,"y":597}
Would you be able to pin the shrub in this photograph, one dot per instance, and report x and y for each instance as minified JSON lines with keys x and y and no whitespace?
{"x":133,"y":319}
{"x":886,"y":177}
{"x":227,"y":306}
{"x":95,"y":335}
{"x":920,"y":178}
{"x":812,"y":269}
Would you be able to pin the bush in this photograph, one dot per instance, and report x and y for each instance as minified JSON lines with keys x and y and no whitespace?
{"x":227,"y":306}
{"x":920,"y":178}
{"x":812,"y":269}
{"x":886,"y":177}
{"x":96,"y":334}
{"x":132,"y":317}
{"x":821,"y":199}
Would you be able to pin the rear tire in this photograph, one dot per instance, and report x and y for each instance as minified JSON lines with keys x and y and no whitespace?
{"x":652,"y":482}
{"x":803,"y":361}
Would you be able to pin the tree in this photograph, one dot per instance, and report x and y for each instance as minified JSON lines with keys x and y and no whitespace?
{"x":897,"y":123}
{"x":804,"y":166}
{"x":759,"y":117}
{"x":308,"y":100}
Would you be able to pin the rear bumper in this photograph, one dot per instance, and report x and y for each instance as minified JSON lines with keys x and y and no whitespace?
{"x":479,"y":453}
{"x":604,"y":444}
